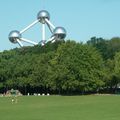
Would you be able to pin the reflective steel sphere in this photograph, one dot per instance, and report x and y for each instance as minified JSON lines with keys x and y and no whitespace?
{"x":42,"y":42}
{"x":14,"y":35}
{"x":60,"y":32}
{"x":42,"y":15}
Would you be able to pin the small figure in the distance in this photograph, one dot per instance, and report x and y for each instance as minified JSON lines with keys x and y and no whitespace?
{"x":14,"y":96}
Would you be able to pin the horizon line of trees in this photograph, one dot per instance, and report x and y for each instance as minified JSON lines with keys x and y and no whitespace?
{"x":64,"y":67}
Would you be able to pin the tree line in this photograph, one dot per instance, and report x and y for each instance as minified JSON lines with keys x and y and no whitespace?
{"x":63,"y":67}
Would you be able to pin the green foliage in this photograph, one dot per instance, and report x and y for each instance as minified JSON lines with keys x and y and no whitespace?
{"x":77,"y":67}
{"x":62,"y":67}
{"x":108,"y":48}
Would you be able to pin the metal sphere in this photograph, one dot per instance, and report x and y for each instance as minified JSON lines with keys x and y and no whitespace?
{"x":42,"y":42}
{"x":60,"y":32}
{"x":14,"y":35}
{"x":42,"y":15}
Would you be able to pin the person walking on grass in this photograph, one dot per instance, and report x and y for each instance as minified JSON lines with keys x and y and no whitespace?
{"x":14,"y":96}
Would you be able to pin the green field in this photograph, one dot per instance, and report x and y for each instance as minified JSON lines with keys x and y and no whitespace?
{"x":91,"y":107}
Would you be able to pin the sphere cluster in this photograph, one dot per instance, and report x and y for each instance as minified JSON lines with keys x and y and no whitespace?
{"x":58,"y":33}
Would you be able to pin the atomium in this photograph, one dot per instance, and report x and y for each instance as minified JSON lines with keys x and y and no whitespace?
{"x":43,"y":17}
{"x":59,"y":32}
{"x":14,"y":35}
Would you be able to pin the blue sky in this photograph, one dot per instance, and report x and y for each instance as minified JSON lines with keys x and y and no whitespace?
{"x":82,"y":19}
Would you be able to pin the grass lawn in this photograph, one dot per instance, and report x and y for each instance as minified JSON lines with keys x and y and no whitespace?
{"x":91,"y":107}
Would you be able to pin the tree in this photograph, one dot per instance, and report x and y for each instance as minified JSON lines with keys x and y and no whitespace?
{"x":117,"y":69}
{"x":77,"y":67}
{"x":112,"y":73}
{"x":107,"y":48}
